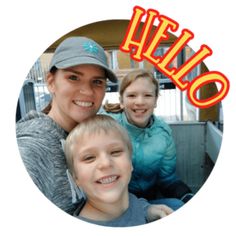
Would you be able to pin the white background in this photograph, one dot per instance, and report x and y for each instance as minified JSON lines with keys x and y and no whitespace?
{"x":27,"y":29}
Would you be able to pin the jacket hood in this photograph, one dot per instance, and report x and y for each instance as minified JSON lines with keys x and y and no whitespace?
{"x":157,"y":125}
{"x":38,"y":122}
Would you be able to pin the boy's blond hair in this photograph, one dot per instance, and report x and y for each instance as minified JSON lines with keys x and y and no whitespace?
{"x":93,"y":125}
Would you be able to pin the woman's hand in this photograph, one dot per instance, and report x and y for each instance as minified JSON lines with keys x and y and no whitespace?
{"x":158,"y":211}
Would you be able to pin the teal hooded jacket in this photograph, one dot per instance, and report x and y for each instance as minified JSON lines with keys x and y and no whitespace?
{"x":154,"y":155}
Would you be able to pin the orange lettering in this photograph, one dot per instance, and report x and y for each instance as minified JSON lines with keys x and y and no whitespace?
{"x":145,"y":49}
{"x":132,"y":29}
{"x":203,"y":79}
{"x":160,"y":33}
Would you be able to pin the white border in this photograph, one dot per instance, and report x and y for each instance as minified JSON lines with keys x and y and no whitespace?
{"x":27,"y":29}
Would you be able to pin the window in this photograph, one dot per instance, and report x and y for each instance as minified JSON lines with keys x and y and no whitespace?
{"x":172,"y":103}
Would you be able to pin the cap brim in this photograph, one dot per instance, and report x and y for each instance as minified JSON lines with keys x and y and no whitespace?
{"x":85,"y":61}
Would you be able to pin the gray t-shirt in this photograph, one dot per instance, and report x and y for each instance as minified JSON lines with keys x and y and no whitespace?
{"x":39,"y":140}
{"x":136,"y":214}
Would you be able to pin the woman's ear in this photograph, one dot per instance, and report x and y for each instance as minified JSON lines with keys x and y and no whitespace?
{"x":50,"y":80}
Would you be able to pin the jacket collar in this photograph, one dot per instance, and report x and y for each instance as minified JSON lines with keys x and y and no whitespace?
{"x":134,"y":129}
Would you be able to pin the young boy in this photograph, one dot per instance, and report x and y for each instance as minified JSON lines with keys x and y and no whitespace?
{"x":98,"y":153}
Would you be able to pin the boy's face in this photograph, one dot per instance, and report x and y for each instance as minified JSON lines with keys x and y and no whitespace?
{"x":103,"y":167}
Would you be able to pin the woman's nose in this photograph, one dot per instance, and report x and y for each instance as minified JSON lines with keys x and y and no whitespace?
{"x":85,"y":89}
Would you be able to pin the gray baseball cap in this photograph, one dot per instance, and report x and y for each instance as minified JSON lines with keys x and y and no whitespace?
{"x":75,"y":51}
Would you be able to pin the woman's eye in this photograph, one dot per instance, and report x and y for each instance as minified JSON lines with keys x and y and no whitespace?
{"x":99,"y":82}
{"x":73,"y":77}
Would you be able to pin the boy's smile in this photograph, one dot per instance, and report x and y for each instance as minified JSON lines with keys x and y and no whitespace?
{"x":108,"y":179}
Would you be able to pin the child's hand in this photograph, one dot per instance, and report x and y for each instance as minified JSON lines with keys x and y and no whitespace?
{"x":156,"y":212}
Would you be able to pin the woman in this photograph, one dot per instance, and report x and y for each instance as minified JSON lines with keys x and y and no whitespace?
{"x":154,"y":153}
{"x":77,"y":82}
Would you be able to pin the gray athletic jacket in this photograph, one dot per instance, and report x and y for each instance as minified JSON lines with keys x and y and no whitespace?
{"x":39,"y":140}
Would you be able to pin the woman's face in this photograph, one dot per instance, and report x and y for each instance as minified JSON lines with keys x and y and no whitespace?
{"x":77,"y":94}
{"x":138,"y":101}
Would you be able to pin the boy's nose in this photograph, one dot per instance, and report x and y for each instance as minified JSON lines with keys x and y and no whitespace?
{"x":104,"y":161}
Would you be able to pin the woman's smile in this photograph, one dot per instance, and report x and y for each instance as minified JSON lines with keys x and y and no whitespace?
{"x":83,"y":103}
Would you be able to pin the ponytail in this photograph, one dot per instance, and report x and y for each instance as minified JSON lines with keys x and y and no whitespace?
{"x":112,"y":107}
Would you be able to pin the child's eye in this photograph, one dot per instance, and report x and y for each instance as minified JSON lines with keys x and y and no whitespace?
{"x":73,"y":77}
{"x":131,"y":95}
{"x":117,"y":152}
{"x":148,"y":95}
{"x":89,"y":158}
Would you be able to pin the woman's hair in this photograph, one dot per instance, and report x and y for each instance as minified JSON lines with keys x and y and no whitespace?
{"x":49,"y":106}
{"x":90,"y":126}
{"x":126,"y":81}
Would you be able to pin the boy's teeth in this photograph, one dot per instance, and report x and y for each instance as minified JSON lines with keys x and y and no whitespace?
{"x":108,"y":180}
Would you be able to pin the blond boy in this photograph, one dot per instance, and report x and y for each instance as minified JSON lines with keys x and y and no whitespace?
{"x":98,"y":153}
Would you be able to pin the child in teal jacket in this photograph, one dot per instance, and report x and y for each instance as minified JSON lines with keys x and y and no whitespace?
{"x":154,"y":153}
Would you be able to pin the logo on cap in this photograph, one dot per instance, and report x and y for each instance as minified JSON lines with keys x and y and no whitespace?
{"x":90,"y":47}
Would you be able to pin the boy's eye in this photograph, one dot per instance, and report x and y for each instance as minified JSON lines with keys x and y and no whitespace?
{"x":117,"y":152}
{"x":89,"y":158}
{"x":73,"y":77}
